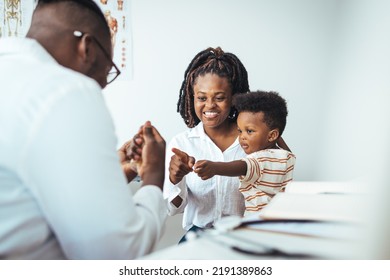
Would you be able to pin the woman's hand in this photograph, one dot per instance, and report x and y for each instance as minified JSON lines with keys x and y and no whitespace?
{"x":180,"y":165}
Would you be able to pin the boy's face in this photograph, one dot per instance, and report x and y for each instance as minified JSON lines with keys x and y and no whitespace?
{"x":254,"y":134}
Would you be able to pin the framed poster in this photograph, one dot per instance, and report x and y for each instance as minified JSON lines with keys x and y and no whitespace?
{"x":15,"y":17}
{"x":15,"y":20}
{"x":118,"y":16}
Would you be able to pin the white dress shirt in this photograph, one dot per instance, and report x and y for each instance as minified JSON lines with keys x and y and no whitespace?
{"x":204,"y":202}
{"x":62,"y":190}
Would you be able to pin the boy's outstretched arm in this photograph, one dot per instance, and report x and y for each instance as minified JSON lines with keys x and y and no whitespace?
{"x":207,"y":169}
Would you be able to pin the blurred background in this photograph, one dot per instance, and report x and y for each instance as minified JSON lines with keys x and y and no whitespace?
{"x":330,"y":59}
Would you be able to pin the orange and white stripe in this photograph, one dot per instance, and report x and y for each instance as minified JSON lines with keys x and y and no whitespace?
{"x":268,"y":172}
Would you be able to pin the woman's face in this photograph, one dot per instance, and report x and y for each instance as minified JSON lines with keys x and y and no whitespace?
{"x":212,"y":99}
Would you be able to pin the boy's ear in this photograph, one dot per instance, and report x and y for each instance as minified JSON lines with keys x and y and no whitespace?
{"x":273,"y":135}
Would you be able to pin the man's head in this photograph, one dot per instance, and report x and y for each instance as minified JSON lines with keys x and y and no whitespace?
{"x":261,"y":120}
{"x":88,"y":50}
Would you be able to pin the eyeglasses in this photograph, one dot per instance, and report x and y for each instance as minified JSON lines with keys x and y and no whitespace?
{"x":114,"y":72}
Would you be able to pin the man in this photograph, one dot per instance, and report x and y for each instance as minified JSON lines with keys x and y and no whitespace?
{"x":63,"y":193}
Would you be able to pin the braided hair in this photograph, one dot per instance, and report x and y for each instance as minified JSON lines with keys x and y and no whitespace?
{"x":214,"y":61}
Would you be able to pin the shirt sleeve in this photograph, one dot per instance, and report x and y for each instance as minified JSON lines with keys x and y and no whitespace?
{"x":71,"y":166}
{"x":254,"y":170}
{"x":269,"y":170}
{"x":171,"y":190}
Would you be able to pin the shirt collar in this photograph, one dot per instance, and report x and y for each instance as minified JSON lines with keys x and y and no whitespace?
{"x":198,"y":132}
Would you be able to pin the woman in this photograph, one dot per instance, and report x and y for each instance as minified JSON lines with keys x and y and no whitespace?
{"x":205,"y":104}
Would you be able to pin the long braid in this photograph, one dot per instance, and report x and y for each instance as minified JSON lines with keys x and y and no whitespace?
{"x":214,"y":61}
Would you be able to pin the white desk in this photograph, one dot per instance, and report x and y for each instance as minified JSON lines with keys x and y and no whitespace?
{"x":211,"y":247}
{"x":345,"y":244}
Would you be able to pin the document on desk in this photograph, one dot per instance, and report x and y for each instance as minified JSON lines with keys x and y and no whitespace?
{"x":337,"y":243}
{"x":316,"y":207}
{"x":334,"y":230}
{"x":324,"y":225}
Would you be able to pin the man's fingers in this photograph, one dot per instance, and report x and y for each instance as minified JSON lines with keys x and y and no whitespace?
{"x":147,"y":130}
{"x":157,"y":135}
{"x":138,"y":140}
{"x":151,"y":132}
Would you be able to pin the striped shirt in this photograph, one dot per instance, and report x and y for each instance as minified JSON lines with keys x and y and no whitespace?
{"x":268,"y":172}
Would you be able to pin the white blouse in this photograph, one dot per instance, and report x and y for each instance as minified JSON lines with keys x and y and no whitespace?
{"x":204,"y":202}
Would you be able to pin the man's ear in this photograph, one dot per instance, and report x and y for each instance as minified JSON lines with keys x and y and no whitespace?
{"x":85,"y":49}
{"x":85,"y":55}
{"x":273,"y":135}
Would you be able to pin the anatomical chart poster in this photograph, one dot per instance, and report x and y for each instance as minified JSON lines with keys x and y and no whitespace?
{"x":118,"y":16}
{"x":15,"y":20}
{"x":15,"y":17}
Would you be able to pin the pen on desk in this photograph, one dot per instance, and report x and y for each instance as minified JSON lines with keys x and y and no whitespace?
{"x":272,"y":252}
{"x":332,"y":193}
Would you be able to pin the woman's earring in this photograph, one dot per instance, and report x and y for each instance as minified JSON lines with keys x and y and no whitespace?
{"x":232,"y":114}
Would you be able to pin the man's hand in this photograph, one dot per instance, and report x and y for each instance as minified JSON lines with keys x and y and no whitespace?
{"x":152,"y":162}
{"x":129,"y":154}
{"x":180,"y":165}
{"x":127,"y":166}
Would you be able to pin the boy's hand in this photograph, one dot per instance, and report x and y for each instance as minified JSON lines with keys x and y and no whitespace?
{"x":205,"y":169}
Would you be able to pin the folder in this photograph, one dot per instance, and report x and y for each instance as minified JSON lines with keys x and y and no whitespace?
{"x":316,"y":207}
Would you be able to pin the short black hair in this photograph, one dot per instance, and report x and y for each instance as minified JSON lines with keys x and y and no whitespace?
{"x":214,"y":61}
{"x":270,"y":103}
{"x":87,"y":5}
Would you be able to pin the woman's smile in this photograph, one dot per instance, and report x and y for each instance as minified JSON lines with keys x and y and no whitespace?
{"x":210,"y":114}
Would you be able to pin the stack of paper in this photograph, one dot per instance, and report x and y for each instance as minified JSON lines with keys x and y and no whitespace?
{"x":318,"y":218}
{"x":311,"y":187}
{"x":317,"y":207}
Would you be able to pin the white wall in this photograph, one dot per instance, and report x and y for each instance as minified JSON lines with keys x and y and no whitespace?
{"x":329,"y":58}
{"x":357,"y":121}
{"x":285,"y":46}
{"x":294,"y":47}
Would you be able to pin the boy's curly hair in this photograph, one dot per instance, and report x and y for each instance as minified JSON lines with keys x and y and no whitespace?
{"x":270,"y":103}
